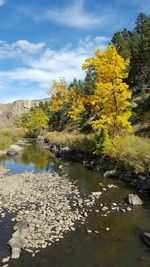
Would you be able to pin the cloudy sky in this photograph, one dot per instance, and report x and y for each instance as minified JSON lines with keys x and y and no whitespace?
{"x":42,"y":40}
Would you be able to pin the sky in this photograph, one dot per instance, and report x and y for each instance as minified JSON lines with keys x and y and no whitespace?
{"x":42,"y":40}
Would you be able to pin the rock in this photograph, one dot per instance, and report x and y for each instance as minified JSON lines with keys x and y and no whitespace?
{"x":111,"y":173}
{"x":22,"y":225}
{"x":96,"y":194}
{"x":104,"y":208}
{"x":15,"y":244}
{"x":14,"y":150}
{"x":146,"y":237}
{"x":134,"y":200}
{"x":9,"y":111}
{"x":40,"y":139}
{"x":107,"y":228}
{"x":6,"y":259}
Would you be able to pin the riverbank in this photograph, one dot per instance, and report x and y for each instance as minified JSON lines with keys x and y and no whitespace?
{"x":109,"y":166}
{"x":9,"y":136}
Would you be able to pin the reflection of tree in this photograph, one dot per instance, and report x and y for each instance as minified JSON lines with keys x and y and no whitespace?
{"x":36,"y":155}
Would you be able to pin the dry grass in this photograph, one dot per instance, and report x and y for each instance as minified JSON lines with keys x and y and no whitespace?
{"x":133,"y":151}
{"x":78,"y":141}
{"x":9,"y":136}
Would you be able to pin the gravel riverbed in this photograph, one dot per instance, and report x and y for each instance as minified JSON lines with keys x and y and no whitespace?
{"x":50,"y":205}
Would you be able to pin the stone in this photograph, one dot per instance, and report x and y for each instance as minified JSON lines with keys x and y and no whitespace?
{"x":6,"y":259}
{"x":134,"y":200}
{"x":96,"y":194}
{"x":146,"y":237}
{"x":14,"y":150}
{"x":15,"y":245}
{"x":111,"y":173}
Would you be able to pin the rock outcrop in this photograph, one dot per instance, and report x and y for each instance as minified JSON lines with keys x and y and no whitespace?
{"x":9,"y":112}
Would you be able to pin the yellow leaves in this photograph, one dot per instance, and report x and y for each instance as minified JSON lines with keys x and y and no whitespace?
{"x":111,"y":94}
{"x":110,"y":101}
{"x":60,"y":95}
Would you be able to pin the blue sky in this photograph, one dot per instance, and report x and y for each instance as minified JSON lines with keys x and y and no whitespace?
{"x":42,"y":40}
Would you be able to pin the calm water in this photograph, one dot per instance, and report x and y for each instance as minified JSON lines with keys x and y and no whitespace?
{"x":122,"y":246}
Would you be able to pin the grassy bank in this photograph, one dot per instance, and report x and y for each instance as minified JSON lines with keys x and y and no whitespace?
{"x":133,"y":151}
{"x":78,"y":141}
{"x":9,"y":136}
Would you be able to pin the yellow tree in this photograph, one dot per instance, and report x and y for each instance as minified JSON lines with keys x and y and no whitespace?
{"x":110,"y":101}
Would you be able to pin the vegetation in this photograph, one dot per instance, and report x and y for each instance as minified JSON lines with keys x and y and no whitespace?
{"x":9,"y":136}
{"x":34,"y":121}
{"x":95,"y":115}
{"x":107,"y":103}
{"x":78,"y":141}
{"x":133,"y":151}
{"x":136,"y":46}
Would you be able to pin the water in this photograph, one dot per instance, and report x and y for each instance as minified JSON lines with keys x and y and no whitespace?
{"x":121,"y":246}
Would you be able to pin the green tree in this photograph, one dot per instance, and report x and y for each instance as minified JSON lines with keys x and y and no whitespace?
{"x":34,"y":121}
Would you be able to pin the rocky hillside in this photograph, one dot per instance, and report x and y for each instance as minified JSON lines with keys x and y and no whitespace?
{"x":9,"y":112}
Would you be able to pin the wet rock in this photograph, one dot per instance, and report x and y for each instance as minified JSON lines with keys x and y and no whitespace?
{"x":96,"y":194}
{"x":6,"y":259}
{"x":15,"y":244}
{"x":110,"y":174}
{"x":134,"y":200}
{"x":14,"y":150}
{"x":40,"y":139}
{"x":146,"y":237}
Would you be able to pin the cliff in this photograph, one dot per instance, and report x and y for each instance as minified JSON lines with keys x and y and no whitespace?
{"x":10,"y":111}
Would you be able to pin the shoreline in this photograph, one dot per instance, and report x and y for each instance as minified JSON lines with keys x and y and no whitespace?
{"x":109,"y":167}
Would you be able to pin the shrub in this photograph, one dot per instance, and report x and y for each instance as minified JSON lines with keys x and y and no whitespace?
{"x":133,"y":151}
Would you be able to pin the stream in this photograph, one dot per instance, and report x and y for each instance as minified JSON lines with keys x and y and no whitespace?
{"x":114,"y":240}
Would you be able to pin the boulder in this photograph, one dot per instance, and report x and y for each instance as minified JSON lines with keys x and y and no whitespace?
{"x":15,"y":244}
{"x":111,"y":173}
{"x":134,"y":200}
{"x":14,"y":150}
{"x":146,"y":237}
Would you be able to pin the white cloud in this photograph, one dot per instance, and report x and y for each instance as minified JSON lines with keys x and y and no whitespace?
{"x":18,"y":48}
{"x":2,"y":2}
{"x":50,"y":64}
{"x":74,"y":15}
{"x":29,"y":47}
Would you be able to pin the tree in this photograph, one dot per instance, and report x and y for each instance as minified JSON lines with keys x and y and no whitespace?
{"x":61,"y":102}
{"x":122,"y":42}
{"x":34,"y":121}
{"x":136,"y":46}
{"x":110,"y":99}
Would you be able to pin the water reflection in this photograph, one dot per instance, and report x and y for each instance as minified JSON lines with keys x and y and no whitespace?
{"x":33,"y":158}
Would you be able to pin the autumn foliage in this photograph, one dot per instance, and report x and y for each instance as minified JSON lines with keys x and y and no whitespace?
{"x":109,"y":103}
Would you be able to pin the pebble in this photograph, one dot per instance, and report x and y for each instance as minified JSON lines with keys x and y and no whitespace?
{"x":43,"y":201}
{"x":107,"y":228}
{"x":6,"y":259}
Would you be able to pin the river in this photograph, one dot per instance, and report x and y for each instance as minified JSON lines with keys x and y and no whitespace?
{"x":115,"y":240}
